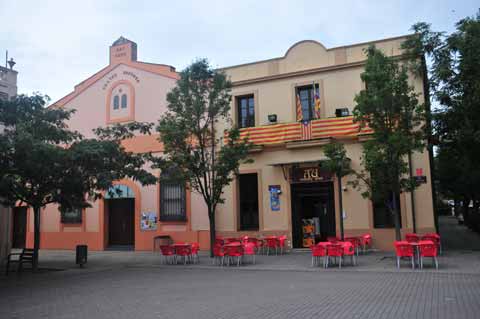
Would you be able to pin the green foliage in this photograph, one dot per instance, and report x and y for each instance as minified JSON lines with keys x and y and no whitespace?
{"x":390,"y":107}
{"x":44,"y":162}
{"x":337,"y":161}
{"x":197,"y":106}
{"x":455,"y":83}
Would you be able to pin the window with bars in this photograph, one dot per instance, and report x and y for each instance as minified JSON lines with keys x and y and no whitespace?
{"x":246,"y":111}
{"x":73,"y":216}
{"x":172,"y":200}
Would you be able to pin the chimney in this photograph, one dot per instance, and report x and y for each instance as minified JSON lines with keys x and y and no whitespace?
{"x":123,"y":50}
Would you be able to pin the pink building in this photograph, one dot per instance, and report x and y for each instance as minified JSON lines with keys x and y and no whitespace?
{"x":125,"y":90}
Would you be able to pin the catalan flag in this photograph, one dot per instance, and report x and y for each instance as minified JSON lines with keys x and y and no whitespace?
{"x":299,"y":109}
{"x":306,"y":130}
{"x":317,"y":105}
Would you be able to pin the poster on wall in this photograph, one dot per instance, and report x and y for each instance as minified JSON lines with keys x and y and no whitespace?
{"x":308,"y":228}
{"x":274,"y":191}
{"x":148,"y":221}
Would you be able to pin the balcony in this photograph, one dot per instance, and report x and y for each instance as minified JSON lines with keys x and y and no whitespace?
{"x":304,"y":134}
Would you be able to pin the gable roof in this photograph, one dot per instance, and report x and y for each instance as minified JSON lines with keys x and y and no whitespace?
{"x":159,"y":69}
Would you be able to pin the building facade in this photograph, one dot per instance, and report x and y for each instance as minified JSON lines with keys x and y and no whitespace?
{"x":125,"y":90}
{"x":8,"y":90}
{"x":290,"y":107}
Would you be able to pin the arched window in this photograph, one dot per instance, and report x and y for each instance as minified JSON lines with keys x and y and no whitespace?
{"x":124,"y":101}
{"x":172,"y":198}
{"x":116,"y":102}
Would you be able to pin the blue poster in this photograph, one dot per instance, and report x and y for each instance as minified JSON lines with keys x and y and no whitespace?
{"x":274,"y":191}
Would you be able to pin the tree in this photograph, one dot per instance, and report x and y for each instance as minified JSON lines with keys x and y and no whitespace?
{"x":43,"y":162}
{"x":455,"y":80}
{"x":196,"y":106}
{"x":389,"y":106}
{"x":339,"y":164}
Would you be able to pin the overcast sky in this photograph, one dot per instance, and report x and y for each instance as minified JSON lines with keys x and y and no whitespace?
{"x":58,"y":44}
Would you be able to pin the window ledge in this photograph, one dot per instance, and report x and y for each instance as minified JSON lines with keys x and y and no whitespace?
{"x":179,"y":221}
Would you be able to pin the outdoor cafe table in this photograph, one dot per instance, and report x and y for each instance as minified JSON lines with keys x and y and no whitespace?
{"x":345,"y":244}
{"x":178,"y":245}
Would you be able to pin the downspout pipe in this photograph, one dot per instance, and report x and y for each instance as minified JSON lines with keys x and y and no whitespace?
{"x":412,"y":194}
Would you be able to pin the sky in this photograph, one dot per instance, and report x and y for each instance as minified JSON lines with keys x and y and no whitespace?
{"x":58,"y":44}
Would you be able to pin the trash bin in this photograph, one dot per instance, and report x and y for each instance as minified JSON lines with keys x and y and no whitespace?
{"x":81,"y":255}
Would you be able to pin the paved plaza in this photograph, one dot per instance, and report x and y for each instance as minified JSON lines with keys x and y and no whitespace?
{"x":176,"y":292}
{"x":138,"y":285}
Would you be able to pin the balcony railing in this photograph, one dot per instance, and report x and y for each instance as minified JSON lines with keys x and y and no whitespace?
{"x":304,"y":131}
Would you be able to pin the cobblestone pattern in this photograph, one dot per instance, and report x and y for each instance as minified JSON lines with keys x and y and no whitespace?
{"x":226,"y":293}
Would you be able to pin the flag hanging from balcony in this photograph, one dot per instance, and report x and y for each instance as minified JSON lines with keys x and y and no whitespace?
{"x":306,"y":130}
{"x":317,"y":105}
{"x":299,"y":108}
{"x":316,"y":101}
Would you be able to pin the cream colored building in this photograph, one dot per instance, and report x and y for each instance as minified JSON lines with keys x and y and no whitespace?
{"x":288,"y":152}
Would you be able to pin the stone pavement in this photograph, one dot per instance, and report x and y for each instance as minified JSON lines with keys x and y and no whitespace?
{"x":127,"y":284}
{"x":176,"y":292}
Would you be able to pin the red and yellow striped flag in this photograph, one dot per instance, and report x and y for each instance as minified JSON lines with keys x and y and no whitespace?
{"x":299,"y":109}
{"x":317,"y":105}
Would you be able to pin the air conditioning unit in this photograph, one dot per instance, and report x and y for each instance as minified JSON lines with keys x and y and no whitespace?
{"x":340,"y":112}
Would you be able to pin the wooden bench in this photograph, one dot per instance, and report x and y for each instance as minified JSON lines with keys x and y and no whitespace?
{"x":26,"y":256}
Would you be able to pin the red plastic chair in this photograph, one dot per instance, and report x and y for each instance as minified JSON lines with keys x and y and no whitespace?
{"x":168,"y":253}
{"x":218,"y":255}
{"x":435,"y":238}
{"x":260,"y":246}
{"x":282,"y":243}
{"x":428,"y":249}
{"x":366,"y":242}
{"x":195,"y":249}
{"x":249,"y":249}
{"x":232,"y":252}
{"x":349,"y":250}
{"x":231,"y":240}
{"x":412,"y":238}
{"x":356,"y":242}
{"x":318,"y":251}
{"x":271,"y":242}
{"x":333,"y":239}
{"x":403,"y":249}
{"x":183,"y":251}
{"x":335,"y":251}
{"x":219,"y":241}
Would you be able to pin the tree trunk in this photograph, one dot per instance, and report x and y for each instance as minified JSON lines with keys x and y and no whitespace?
{"x":396,"y":215}
{"x":340,"y":204}
{"x":36,"y":235}
{"x":211,"y":217}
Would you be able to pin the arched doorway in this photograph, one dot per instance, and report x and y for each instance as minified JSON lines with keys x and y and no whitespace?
{"x":120,"y":217}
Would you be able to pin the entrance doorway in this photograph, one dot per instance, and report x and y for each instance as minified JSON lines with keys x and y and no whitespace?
{"x":19,"y":227}
{"x":313,"y":213}
{"x":121,"y":221}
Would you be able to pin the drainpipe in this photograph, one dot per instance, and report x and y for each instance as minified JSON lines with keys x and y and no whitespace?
{"x":412,"y":194}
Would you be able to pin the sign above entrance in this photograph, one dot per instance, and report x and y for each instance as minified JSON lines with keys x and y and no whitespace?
{"x":309,"y":175}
